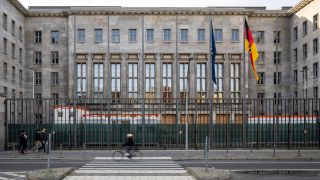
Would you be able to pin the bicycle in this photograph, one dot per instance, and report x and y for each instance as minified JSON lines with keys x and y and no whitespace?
{"x":134,"y":154}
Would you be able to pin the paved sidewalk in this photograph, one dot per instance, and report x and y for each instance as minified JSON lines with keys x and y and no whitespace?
{"x":263,"y":154}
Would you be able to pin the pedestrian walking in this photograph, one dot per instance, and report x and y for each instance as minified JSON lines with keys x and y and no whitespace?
{"x":23,"y":142}
{"x":37,"y":140}
{"x":44,"y":138}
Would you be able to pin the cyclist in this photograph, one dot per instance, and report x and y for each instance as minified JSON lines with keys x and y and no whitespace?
{"x":129,"y":145}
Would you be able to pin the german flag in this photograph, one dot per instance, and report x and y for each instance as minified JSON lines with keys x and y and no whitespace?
{"x":251,"y":48}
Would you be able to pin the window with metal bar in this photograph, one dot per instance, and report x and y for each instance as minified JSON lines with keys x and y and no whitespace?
{"x":184,"y":89}
{"x":38,"y":78}
{"x":54,"y":78}
{"x":37,"y":37}
{"x":150,"y":80}
{"x":115,"y":80}
{"x":13,"y":74}
{"x":38,"y":57}
{"x":5,"y":21}
{"x":183,"y":35}
{"x":305,"y":28}
{"x":305,"y":51}
{"x":315,"y":22}
{"x":54,"y":57}
{"x":167,"y":82}
{"x":315,"y":70}
{"x":218,"y":35}
{"x":201,"y":82}
{"x":276,"y":78}
{"x":315,"y":46}
{"x":235,"y":35}
{"x":98,"y":80}
{"x":115,"y":33}
{"x":55,"y":37}
{"x":260,"y":37}
{"x":261,"y":58}
{"x":261,"y":78}
{"x":20,"y":55}
{"x":235,"y":81}
{"x":295,"y":33}
{"x":218,"y":88}
{"x":132,"y":80}
{"x":5,"y":46}
{"x":132,"y":35}
{"x":98,"y":35}
{"x":13,"y":27}
{"x":81,"y":80}
{"x":150,"y":33}
{"x":276,"y":57}
{"x":201,"y":35}
{"x":166,"y":35}
{"x":81,"y":35}
{"x":276,"y":37}
{"x":295,"y":55}
{"x":5,"y":70}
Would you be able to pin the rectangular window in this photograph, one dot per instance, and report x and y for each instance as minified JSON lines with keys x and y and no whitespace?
{"x":150,"y":35}
{"x":38,"y":78}
{"x":261,"y":58}
{"x":98,"y":80}
{"x":20,"y":95}
{"x":235,"y":35}
{"x":277,"y":97}
{"x":260,"y":96}
{"x":183,"y":80}
{"x":55,"y":57}
{"x":5,"y":70}
{"x":37,"y":37}
{"x":5,"y":92}
{"x":315,"y":46}
{"x":54,"y":78}
{"x":4,"y":21}
{"x":132,"y":80}
{"x":295,"y":33}
{"x":305,"y":28}
{"x":38,"y":97}
{"x":132,"y":35}
{"x":261,"y":76}
{"x":277,"y":78}
{"x":167,"y":35}
{"x":20,"y":54}
{"x":5,"y":46}
{"x":315,"y":22}
{"x":55,"y":97}
{"x":81,"y":80}
{"x":115,"y":33}
{"x":276,"y":37}
{"x":13,"y":27}
{"x":81,"y":35}
{"x":167,"y":81}
{"x":115,"y":80}
{"x":305,"y":51}
{"x":183,"y":35}
{"x":38,"y":57}
{"x":304,"y":73}
{"x":13,"y":51}
{"x":295,"y":76}
{"x":150,"y":80}
{"x":13,"y":73}
{"x":20,"y":33}
{"x":20,"y":76}
{"x":201,"y":35}
{"x":98,"y":35}
{"x":13,"y":94}
{"x":295,"y":55}
{"x":315,"y":70}
{"x":260,"y":37}
{"x":55,"y":37}
{"x":235,"y":80}
{"x":201,"y":81}
{"x":218,"y":35}
{"x":315,"y":92}
{"x":218,"y":88}
{"x":276,"y":57}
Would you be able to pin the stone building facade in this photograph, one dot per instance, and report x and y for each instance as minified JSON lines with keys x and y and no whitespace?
{"x":121,"y":52}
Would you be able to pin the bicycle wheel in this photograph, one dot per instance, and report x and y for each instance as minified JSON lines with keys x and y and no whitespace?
{"x":117,"y":155}
{"x":136,"y":155}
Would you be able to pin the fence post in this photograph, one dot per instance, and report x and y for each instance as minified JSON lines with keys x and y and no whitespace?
{"x":3,"y":123}
{"x":206,"y":153}
{"x":49,"y":151}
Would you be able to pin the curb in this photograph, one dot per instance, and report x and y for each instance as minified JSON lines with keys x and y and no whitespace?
{"x":225,"y":176}
{"x":31,"y":176}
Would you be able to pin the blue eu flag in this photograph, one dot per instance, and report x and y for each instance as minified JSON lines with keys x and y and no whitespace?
{"x":213,"y":52}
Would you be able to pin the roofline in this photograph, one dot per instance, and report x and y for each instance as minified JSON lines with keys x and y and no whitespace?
{"x":19,"y":6}
{"x":299,"y":6}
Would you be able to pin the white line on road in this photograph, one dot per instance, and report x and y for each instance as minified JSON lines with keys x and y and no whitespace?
{"x":151,"y":158}
{"x":131,"y":171}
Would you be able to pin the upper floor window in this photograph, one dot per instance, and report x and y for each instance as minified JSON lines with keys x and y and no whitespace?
{"x":295,"y":76}
{"x":5,"y":70}
{"x":235,"y":80}
{"x":38,"y":57}
{"x":81,"y":35}
{"x":305,"y":28}
{"x":54,"y":78}
{"x":261,"y":58}
{"x":276,"y":37}
{"x":55,"y":57}
{"x":98,"y":37}
{"x":20,"y":76}
{"x":98,"y":80}
{"x":218,"y":35}
{"x":315,"y":70}
{"x":295,"y":33}
{"x":183,"y":35}
{"x":4,"y":21}
{"x":295,"y":55}
{"x":276,"y":78}
{"x":37,"y":37}
{"x":20,"y":54}
{"x":13,"y":27}
{"x":13,"y":73}
{"x":315,"y":22}
{"x":261,"y":78}
{"x":132,"y":35}
{"x":315,"y":46}
{"x":13,"y":50}
{"x":149,"y":35}
{"x":54,"y":37}
{"x":276,"y":57}
{"x":115,"y":80}
{"x":201,"y":35}
{"x":260,"y":37}
{"x":81,"y":79}
{"x":132,"y":80}
{"x":167,"y":35}
{"x":235,"y":35}
{"x":201,"y":80}
{"x":305,"y":51}
{"x":150,"y":80}
{"x":115,"y":33}
{"x":167,"y":81}
{"x":20,"y":33}
{"x":5,"y":45}
{"x":38,"y":78}
{"x":218,"y":88}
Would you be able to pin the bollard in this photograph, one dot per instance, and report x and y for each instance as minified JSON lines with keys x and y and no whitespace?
{"x":84,"y":150}
{"x":299,"y":153}
{"x":49,"y":152}
{"x":14,"y":150}
{"x":60,"y":150}
{"x":274,"y":150}
{"x":206,"y":153}
{"x":251,"y":151}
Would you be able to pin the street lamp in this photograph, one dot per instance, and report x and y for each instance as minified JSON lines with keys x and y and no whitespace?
{"x":187,"y":104}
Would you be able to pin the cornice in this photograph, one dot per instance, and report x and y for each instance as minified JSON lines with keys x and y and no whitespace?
{"x":19,"y":6}
{"x":298,"y":7}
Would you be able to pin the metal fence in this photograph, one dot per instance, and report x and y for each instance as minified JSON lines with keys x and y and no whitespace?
{"x":160,"y":123}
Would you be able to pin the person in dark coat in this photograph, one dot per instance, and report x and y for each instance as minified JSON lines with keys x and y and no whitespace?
{"x":129,"y":144}
{"x":23,"y":142}
{"x":37,"y":140}
{"x":44,"y":138}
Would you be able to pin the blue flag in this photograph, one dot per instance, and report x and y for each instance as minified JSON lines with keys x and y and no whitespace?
{"x":213,"y":52}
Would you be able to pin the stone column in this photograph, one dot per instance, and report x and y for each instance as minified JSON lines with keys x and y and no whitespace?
{"x":2,"y":123}
{"x":158,"y":81}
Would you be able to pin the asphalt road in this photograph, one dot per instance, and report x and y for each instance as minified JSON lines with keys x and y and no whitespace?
{"x":305,"y":170}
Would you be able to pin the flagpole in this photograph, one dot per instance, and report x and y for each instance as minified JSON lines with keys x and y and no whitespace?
{"x":244,"y":82}
{"x":211,"y":82}
{"x":275,"y":138}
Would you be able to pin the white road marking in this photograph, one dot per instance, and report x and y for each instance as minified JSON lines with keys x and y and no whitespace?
{"x":142,"y":158}
{"x":155,"y":171}
{"x":13,"y":174}
{"x":129,"y":177}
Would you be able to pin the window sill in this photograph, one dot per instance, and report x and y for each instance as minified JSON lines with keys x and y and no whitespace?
{"x":183,"y":42}
{"x":166,"y":41}
{"x":235,"y":41}
{"x":54,"y":84}
{"x":81,"y":42}
{"x":201,"y":41}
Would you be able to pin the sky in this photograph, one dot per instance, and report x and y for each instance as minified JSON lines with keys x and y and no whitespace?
{"x":270,"y":4}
